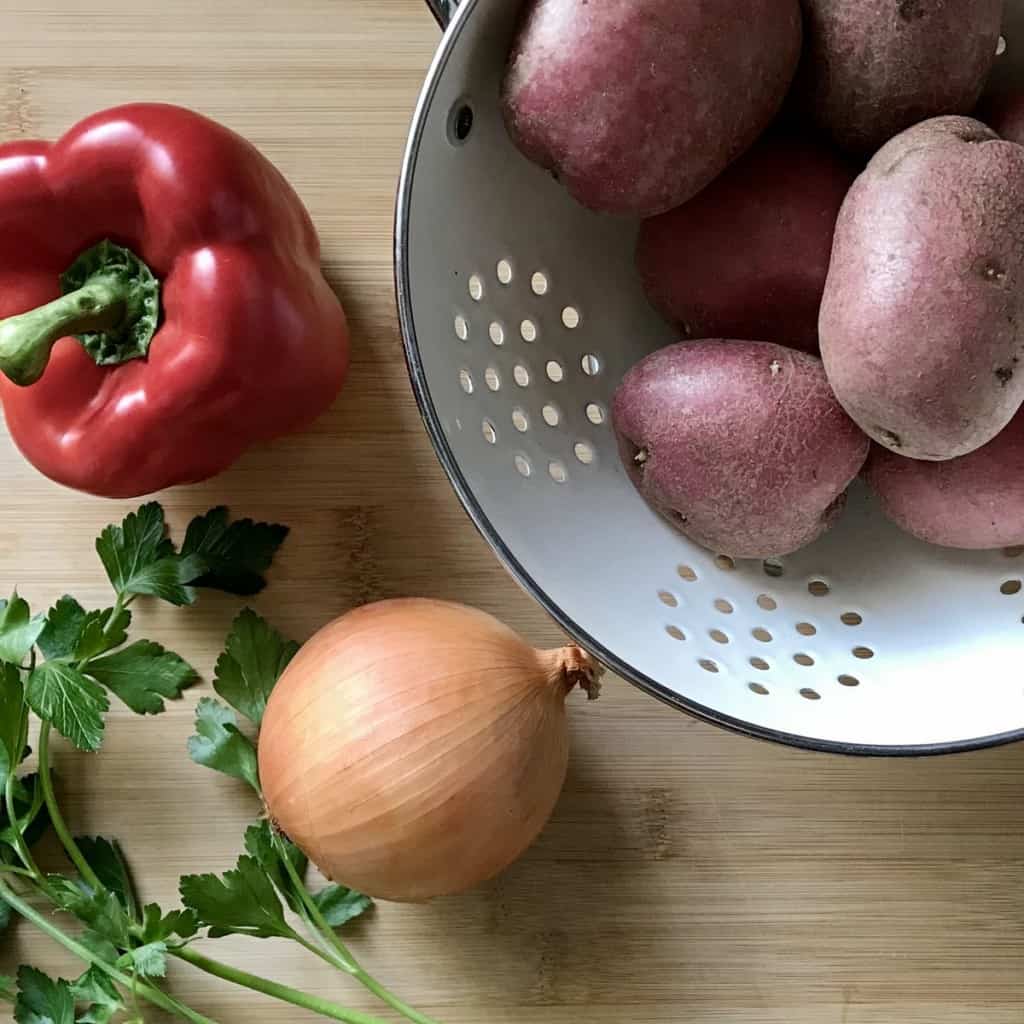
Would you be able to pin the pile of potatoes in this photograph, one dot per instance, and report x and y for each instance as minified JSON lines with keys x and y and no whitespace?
{"x":835,"y":228}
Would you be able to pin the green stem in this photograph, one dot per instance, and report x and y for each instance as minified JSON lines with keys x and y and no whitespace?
{"x":8,"y":869}
{"x":110,"y":303}
{"x":322,"y":927}
{"x":26,"y":341}
{"x":385,"y":995}
{"x":340,"y":955}
{"x":20,"y":846}
{"x":328,"y":956}
{"x":150,"y":994}
{"x":120,"y":603}
{"x":273,"y":989}
{"x":57,"y":819}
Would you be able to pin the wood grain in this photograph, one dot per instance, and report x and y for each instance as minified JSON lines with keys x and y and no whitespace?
{"x":688,"y":875}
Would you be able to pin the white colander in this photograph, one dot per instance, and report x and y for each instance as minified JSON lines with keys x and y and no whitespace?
{"x":520,"y":313}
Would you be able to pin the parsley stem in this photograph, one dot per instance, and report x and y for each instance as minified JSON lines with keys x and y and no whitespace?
{"x":8,"y":869}
{"x":57,"y":819}
{"x":273,"y":989}
{"x":410,"y":1013}
{"x":341,"y":956}
{"x":150,"y":994}
{"x":328,"y":956}
{"x":20,"y":846}
{"x":325,"y":930}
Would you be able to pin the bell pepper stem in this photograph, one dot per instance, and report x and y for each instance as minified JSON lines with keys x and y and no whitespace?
{"x":111,"y":304}
{"x":27,"y":340}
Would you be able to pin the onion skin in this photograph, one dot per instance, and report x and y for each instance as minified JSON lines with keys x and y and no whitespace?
{"x":416,"y":748}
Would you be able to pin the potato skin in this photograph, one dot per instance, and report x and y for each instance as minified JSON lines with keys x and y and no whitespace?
{"x":740,"y":445}
{"x":872,"y":68}
{"x":921,"y":322}
{"x":976,"y":501}
{"x":748,"y":256}
{"x":636,"y":105}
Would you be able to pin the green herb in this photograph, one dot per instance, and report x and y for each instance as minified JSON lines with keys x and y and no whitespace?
{"x":218,"y":743}
{"x":148,"y":961}
{"x":41,"y":1000}
{"x":72,"y":633}
{"x":101,"y":998}
{"x":140,"y":559}
{"x":62,"y":667}
{"x":269,"y":852}
{"x":18,"y":629}
{"x":236,"y":554}
{"x":156,"y":926}
{"x":240,"y":902}
{"x":63,"y":695}
{"x":254,"y":658}
{"x":12,"y":702}
{"x":339,"y":905}
{"x":107,"y":861}
{"x":142,"y":675}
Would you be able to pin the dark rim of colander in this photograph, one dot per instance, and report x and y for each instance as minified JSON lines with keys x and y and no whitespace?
{"x":447,"y":458}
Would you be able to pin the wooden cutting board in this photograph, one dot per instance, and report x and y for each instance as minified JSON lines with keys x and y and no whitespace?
{"x":688,"y":875}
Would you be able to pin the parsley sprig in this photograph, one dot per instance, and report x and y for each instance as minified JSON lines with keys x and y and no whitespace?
{"x":65,"y":667}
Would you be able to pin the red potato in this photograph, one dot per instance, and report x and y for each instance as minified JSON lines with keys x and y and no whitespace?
{"x":740,"y":445}
{"x":748,"y":257}
{"x":636,"y":105}
{"x":976,"y":501}
{"x":922,"y":321}
{"x":872,"y":68}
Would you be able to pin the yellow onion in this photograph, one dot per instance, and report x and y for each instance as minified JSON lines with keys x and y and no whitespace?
{"x":415,"y":748}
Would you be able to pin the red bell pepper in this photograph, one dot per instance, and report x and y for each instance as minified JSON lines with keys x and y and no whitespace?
{"x":194,"y":320}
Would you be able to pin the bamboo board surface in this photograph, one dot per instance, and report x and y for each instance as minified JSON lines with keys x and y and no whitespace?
{"x":688,"y":875}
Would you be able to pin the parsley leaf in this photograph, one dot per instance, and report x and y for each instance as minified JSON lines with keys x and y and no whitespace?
{"x":74,"y":634}
{"x":97,"y":992}
{"x":254,"y":657}
{"x":142,"y":674}
{"x":99,"y":946}
{"x":6,"y":988}
{"x":41,"y":1000}
{"x":64,"y":622}
{"x":219,"y":745}
{"x":340,"y":905}
{"x":59,"y":693}
{"x":159,"y":927}
{"x":149,"y":961}
{"x":101,"y":634}
{"x":140,"y":559}
{"x":104,"y":856}
{"x":260,"y":845}
{"x":18,"y":629}
{"x":12,"y":704}
{"x":236,"y":554}
{"x":241,"y":902}
{"x":337,"y":903}
{"x":101,"y":911}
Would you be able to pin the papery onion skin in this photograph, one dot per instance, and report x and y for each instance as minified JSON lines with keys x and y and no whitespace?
{"x":415,"y":748}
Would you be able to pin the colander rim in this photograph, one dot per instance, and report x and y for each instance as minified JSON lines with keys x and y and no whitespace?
{"x":435,"y":431}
